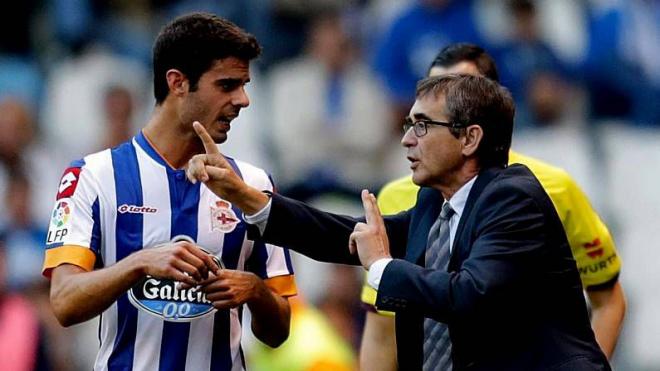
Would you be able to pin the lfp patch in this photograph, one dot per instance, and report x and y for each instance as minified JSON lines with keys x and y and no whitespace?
{"x":59,"y":222}
{"x":61,"y":214}
{"x":164,"y":298}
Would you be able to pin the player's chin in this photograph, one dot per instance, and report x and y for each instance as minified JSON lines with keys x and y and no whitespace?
{"x":219,"y":133}
{"x":220,"y":137}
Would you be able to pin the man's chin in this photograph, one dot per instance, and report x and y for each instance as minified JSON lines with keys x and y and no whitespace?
{"x":419,"y":179}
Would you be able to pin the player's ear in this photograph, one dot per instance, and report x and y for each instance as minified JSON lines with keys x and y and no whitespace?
{"x":177,"y":82}
{"x":471,"y":139}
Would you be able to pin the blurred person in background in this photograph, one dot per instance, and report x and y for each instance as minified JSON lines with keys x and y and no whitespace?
{"x":314,"y":344}
{"x":20,"y":73}
{"x":118,"y":112}
{"x":621,"y":67}
{"x":590,"y":241}
{"x":23,"y":253}
{"x":25,"y":236}
{"x":341,"y":305}
{"x":329,"y":122}
{"x":22,"y":148}
{"x":76,"y":97}
{"x":128,"y":227}
{"x":21,"y":340}
{"x":412,"y":39}
{"x":17,"y":128}
{"x":531,"y":70}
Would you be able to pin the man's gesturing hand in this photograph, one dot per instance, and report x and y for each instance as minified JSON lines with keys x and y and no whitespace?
{"x":212,"y":168}
{"x":217,"y":174}
{"x":370,"y":239}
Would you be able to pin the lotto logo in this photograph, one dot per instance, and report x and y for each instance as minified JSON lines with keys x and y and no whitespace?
{"x":69,"y":182}
{"x":134,"y":209}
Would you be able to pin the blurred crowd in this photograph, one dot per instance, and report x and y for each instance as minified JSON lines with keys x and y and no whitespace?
{"x":328,"y":96}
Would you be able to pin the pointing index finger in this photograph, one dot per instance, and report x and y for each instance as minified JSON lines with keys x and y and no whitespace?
{"x":209,"y":145}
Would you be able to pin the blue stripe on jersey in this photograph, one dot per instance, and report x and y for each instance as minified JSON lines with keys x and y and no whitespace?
{"x":257,"y":261}
{"x":95,"y":243}
{"x":146,"y":146}
{"x":221,"y":355}
{"x":287,"y":258}
{"x":129,"y":228}
{"x":240,"y":348}
{"x":77,"y":163}
{"x":184,"y":201}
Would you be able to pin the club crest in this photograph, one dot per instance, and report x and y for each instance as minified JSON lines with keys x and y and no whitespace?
{"x":223,"y":218}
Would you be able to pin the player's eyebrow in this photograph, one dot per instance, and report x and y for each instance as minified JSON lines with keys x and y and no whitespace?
{"x":231,"y":81}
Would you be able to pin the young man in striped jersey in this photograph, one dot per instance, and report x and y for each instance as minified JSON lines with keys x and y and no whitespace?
{"x":128,"y":227}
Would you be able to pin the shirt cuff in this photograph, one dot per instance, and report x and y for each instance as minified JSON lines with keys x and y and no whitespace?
{"x":376,"y":272}
{"x":260,"y":218}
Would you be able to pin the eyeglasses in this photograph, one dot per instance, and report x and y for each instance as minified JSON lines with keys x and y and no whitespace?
{"x":420,"y":127}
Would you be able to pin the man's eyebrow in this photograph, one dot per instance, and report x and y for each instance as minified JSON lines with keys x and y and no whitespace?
{"x":420,"y":116}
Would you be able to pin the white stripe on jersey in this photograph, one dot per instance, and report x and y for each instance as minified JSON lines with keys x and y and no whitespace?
{"x":199,"y":346}
{"x":99,"y":166}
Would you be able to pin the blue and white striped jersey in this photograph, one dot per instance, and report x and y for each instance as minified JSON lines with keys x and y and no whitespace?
{"x":115,"y":202}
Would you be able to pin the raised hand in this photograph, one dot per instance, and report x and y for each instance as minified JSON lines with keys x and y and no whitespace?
{"x":212,"y":168}
{"x":369,"y":239}
{"x":217,"y":174}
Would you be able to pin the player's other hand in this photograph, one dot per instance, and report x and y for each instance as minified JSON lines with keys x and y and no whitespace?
{"x":229,"y":288}
{"x":181,"y":261}
{"x":216,"y":173}
{"x":370,"y":239}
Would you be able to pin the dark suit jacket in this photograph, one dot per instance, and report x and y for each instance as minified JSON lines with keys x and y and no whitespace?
{"x":511,"y":296}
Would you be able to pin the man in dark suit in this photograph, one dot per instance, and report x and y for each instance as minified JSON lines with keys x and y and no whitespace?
{"x":494,"y":265}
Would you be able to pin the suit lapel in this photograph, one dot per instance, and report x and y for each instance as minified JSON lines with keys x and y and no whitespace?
{"x":429,"y":203}
{"x":485,"y":177}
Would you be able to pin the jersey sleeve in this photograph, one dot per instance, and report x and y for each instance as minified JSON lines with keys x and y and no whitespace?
{"x":591,"y":242}
{"x":74,"y":231}
{"x":273,"y":264}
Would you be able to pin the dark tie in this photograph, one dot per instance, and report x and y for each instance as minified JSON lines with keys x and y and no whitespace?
{"x":437,"y":345}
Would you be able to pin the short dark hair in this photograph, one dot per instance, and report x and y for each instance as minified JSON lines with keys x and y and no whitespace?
{"x":459,"y":52}
{"x":476,"y":100}
{"x":192,"y":43}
